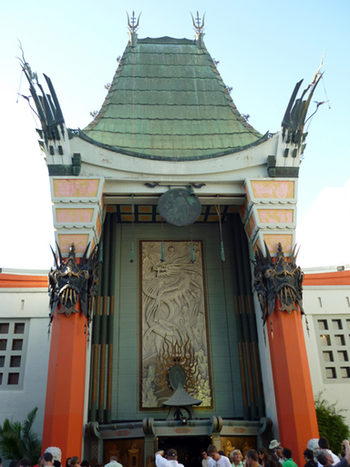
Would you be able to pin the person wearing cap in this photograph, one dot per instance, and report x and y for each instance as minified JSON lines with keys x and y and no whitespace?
{"x":170,"y":460}
{"x":56,"y":455}
{"x":277,"y":449}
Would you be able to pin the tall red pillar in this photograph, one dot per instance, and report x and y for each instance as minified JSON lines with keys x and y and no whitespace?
{"x":292,"y":382}
{"x":64,"y":411}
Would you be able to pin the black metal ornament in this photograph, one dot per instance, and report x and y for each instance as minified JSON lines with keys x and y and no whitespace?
{"x":71,"y":281}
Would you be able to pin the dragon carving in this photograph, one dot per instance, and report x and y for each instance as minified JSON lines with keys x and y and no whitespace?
{"x":279,"y":279}
{"x":70,"y":281}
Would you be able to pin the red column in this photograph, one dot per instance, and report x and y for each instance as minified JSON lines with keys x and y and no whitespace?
{"x":292,"y":382}
{"x":64,"y":411}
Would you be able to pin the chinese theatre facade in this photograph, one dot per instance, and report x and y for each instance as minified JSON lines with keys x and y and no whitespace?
{"x":175,"y":298}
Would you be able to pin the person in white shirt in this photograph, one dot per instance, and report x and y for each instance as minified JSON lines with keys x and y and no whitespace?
{"x":113,"y":462}
{"x":324,"y":444}
{"x":170,"y":460}
{"x":206,"y":460}
{"x":220,"y":460}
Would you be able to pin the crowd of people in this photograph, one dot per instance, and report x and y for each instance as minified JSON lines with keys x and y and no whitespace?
{"x":317,"y":454}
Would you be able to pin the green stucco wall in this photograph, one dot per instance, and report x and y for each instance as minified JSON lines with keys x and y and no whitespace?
{"x":224,"y":322}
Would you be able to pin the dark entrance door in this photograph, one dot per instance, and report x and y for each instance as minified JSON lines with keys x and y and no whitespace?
{"x":188,"y":448}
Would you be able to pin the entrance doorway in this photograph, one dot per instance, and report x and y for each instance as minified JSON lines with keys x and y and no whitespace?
{"x":188,"y":448}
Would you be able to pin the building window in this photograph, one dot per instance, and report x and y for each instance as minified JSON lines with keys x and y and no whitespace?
{"x":13,"y":339}
{"x":334,"y":344}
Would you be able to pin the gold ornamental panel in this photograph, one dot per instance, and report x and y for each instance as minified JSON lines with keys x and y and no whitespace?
{"x":173,"y":321}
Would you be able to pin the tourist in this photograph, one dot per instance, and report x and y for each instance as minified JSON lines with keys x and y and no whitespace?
{"x":345,"y":460}
{"x":170,"y":460}
{"x":24,"y":463}
{"x":288,"y":461}
{"x":220,"y":460}
{"x":309,"y":458}
{"x":113,"y":462}
{"x":323,"y":444}
{"x":236,"y":458}
{"x":206,"y":460}
{"x":74,"y":461}
{"x":47,"y":459}
{"x":263,"y":456}
{"x":277,"y":449}
{"x":324,"y":458}
{"x":56,"y":455}
{"x":251,"y":458}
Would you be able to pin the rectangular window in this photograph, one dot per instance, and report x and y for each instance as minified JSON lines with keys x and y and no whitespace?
{"x":4,"y":328}
{"x":328,"y":356}
{"x":19,"y":328}
{"x":330,"y":373}
{"x":13,"y":378}
{"x":322,"y":324}
{"x":334,"y":342}
{"x":343,"y":356}
{"x":13,"y":339}
{"x":15,"y":361}
{"x":337,"y":324}
{"x":17,"y":344}
{"x":339,"y":339}
{"x":325,"y":340}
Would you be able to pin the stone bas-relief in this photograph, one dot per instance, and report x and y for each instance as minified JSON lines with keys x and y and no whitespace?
{"x":173,"y":311}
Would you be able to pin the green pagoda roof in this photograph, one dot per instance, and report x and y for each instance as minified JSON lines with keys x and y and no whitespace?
{"x":168,"y":101}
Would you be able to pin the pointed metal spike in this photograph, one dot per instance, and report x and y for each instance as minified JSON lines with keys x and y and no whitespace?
{"x":83,"y":260}
{"x":268,"y":255}
{"x":55,"y":257}
{"x":59,"y":253}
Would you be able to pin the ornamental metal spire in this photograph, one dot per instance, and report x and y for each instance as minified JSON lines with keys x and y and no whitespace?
{"x":133,"y":24}
{"x":198,"y":24}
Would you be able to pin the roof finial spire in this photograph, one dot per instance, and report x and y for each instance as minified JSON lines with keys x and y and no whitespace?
{"x":198,"y":24}
{"x":133,"y":25}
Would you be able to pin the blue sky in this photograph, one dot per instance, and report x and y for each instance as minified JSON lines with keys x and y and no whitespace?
{"x":263,"y":49}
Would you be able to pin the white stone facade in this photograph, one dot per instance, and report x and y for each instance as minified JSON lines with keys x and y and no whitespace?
{"x":328,"y":342}
{"x":24,"y":318}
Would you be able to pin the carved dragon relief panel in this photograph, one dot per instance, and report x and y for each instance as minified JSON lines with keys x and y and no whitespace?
{"x":173,"y":321}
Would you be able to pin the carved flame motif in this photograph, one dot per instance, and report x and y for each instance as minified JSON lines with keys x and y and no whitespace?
{"x":279,"y":279}
{"x":175,"y":354}
{"x":70,"y":281}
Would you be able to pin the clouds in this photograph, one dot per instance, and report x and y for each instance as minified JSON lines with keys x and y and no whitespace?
{"x":324,"y":232}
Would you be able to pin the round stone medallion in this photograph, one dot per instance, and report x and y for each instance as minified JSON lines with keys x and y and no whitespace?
{"x":179,"y":207}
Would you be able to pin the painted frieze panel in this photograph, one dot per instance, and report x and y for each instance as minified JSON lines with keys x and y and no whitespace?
{"x":173,"y":321}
